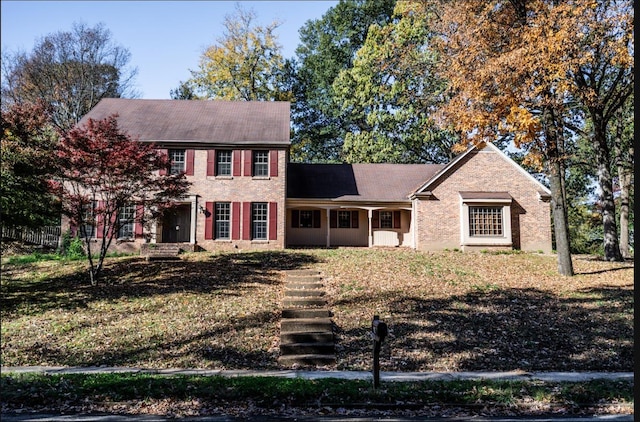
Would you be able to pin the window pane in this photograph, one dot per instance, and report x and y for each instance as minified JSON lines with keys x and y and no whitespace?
{"x":344,"y":219}
{"x":126,"y":221}
{"x":306,"y":219}
{"x":260,"y":163}
{"x":386,"y":219}
{"x":485,"y":221}
{"x":223,"y":166}
{"x":177,"y":157}
{"x":259,"y":219}
{"x":222,"y":219}
{"x":87,"y":228}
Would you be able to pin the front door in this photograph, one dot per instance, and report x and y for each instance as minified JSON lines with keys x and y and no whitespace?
{"x":176,"y":226}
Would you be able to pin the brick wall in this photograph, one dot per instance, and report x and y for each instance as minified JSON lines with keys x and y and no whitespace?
{"x":438,"y":219}
{"x":239,"y":189}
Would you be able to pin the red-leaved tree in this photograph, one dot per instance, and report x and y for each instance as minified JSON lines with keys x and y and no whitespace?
{"x":104,"y":171}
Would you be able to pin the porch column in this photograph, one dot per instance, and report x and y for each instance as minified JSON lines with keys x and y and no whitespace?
{"x":328,"y":228}
{"x":194,"y":214}
{"x":370,"y":218}
{"x":414,"y":225}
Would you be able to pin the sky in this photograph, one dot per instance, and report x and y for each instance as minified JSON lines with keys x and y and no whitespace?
{"x":165,"y":38}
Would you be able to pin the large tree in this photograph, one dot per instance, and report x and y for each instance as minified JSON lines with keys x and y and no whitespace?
{"x":391,"y":92}
{"x":71,"y":71}
{"x":27,"y":166}
{"x":242,"y":65}
{"x":327,"y":46}
{"x":507,"y":64}
{"x":603,"y":76}
{"x":108,"y":180}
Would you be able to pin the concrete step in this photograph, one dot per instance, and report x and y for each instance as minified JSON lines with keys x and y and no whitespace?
{"x":303,"y":272}
{"x":307,"y":349}
{"x":304,"y":286}
{"x":318,"y":325}
{"x":303,"y":293}
{"x":307,"y":359}
{"x":306,"y":313}
{"x":303,"y":302}
{"x":305,"y":337}
{"x":304,"y":279}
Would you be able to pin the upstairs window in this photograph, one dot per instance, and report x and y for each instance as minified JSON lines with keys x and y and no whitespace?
{"x":260,"y":163}
{"x":178,"y":161}
{"x":223,"y":163}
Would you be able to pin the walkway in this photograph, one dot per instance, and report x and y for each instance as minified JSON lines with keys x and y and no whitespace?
{"x":352,"y":375}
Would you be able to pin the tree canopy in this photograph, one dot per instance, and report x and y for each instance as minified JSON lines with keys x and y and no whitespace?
{"x":243,"y":64}
{"x":27,"y":160}
{"x":69,"y":70}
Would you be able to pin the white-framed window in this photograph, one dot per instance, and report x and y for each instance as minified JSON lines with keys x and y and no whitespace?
{"x":222,"y":220}
{"x":259,"y":220}
{"x":306,"y":219}
{"x":178,"y":159}
{"x":260,"y":163}
{"x":126,"y":222}
{"x":485,"y":218}
{"x":485,"y":221}
{"x":223,"y":163}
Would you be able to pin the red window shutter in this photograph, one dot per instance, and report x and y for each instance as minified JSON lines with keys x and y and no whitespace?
{"x":190,"y":157}
{"x":248,"y":160}
{"x":246,"y":221}
{"x":375,"y":220}
{"x":355,"y":217}
{"x":100,"y":219}
{"x":397,"y":222}
{"x":295,"y":219}
{"x":316,"y":219}
{"x":273,"y":163}
{"x":163,"y":171}
{"x":211,"y":162}
{"x":273,"y":220}
{"x":237,"y":162}
{"x":333,"y":219}
{"x":208,"y":221}
{"x":138,"y":228}
{"x":235,"y":220}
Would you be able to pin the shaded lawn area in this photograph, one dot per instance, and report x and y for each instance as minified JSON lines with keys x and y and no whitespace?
{"x":445,"y":311}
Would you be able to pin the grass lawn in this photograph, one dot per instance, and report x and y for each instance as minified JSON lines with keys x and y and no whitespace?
{"x":445,"y":311}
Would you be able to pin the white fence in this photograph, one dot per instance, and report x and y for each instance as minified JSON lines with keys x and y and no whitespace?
{"x":44,"y":236}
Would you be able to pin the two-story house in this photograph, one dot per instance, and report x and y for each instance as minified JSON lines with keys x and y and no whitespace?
{"x":245,"y":194}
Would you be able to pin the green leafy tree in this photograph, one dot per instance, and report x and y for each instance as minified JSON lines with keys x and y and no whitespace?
{"x":391,"y":92}
{"x":27,"y":165}
{"x":243,"y":64}
{"x":69,"y":70}
{"x":327,"y":46}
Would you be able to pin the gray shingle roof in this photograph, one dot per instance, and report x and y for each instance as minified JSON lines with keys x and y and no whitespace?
{"x":357,"y":182}
{"x":199,"y":121}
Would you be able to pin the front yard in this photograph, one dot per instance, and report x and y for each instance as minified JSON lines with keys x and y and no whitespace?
{"x":446,"y":311}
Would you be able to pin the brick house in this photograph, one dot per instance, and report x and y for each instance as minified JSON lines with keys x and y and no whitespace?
{"x":246,"y":194}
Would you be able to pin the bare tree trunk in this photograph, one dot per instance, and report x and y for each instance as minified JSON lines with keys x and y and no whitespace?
{"x":625,"y":168}
{"x":558,"y":202}
{"x":603,"y":163}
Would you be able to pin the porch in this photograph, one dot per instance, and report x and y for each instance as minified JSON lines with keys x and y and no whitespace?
{"x":365,"y":226}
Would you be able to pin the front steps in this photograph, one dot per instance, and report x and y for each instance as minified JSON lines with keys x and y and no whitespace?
{"x":306,"y":330}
